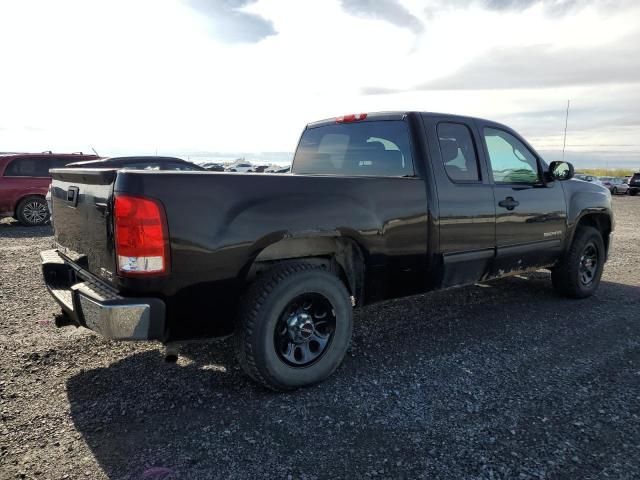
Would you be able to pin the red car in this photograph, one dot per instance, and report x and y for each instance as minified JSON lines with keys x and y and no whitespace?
{"x":24,"y":181}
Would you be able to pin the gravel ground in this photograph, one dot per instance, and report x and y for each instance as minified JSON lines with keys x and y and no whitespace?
{"x":503,"y":380}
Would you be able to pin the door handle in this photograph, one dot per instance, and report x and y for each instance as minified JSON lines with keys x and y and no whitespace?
{"x":509,"y":203}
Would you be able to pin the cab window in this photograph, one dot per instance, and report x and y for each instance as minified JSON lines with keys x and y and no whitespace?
{"x":511,"y":161}
{"x":458,"y":152}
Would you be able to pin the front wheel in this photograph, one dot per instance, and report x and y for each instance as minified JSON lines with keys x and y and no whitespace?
{"x":615,"y":190}
{"x":578,"y":273}
{"x":295,"y":326}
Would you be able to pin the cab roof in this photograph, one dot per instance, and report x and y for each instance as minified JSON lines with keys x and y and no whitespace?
{"x":390,"y":115}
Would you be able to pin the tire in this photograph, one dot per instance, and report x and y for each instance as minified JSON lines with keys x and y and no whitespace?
{"x":571,"y":277}
{"x":274,"y":312}
{"x":615,"y":190}
{"x":632,"y":192}
{"x":32,"y":211}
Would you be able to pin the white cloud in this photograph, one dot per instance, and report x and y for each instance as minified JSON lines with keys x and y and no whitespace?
{"x":130,"y":77}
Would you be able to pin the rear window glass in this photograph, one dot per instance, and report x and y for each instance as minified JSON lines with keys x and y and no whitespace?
{"x":356,"y":149}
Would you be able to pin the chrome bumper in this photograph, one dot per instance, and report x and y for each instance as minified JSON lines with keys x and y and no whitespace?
{"x":93,"y":304}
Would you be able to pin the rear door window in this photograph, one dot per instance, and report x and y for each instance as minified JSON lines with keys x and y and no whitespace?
{"x":28,"y":167}
{"x":374,"y":148}
{"x":458,"y":152}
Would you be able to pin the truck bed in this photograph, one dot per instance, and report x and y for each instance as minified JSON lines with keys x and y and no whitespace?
{"x":219,"y":223}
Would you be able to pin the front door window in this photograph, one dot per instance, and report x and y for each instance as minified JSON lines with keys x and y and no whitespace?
{"x":511,"y":162}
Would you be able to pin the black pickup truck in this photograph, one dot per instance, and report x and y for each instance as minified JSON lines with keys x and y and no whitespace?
{"x":376,"y":206}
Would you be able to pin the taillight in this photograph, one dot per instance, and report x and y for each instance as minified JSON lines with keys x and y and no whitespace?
{"x":354,"y":117}
{"x":141,"y":237}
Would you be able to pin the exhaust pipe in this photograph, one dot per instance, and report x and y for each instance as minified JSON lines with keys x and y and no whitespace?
{"x":171,"y":352}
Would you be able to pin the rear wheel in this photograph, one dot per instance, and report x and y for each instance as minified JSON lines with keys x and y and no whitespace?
{"x":295,"y":326}
{"x":615,"y":190}
{"x":579,"y":272}
{"x":32,"y":211}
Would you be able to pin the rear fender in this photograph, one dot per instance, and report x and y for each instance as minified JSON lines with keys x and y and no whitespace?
{"x":29,"y":193}
{"x":336,"y":252}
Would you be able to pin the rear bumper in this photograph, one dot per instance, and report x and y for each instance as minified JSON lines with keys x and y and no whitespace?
{"x":93,"y":304}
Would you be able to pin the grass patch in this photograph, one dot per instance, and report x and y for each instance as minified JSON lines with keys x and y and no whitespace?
{"x":606,"y":172}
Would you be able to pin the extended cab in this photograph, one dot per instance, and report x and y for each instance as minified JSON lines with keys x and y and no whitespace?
{"x":377,"y":206}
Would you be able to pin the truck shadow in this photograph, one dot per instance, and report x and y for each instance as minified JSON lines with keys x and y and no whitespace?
{"x":13,"y":229}
{"x":412,"y":391}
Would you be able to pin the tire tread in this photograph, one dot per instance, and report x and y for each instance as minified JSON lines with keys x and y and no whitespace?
{"x":21,"y":204}
{"x":252,"y":303}
{"x":564,"y":276}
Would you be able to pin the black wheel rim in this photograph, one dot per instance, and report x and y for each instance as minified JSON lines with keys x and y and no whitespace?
{"x":588,"y":264}
{"x":304,"y":330}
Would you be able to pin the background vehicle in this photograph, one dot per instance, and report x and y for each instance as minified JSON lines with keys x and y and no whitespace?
{"x":634,"y":184}
{"x":141,"y":163}
{"x":378,"y":206}
{"x":24,"y":180}
{"x":258,"y":168}
{"x":134,"y":163}
{"x":618,"y":186}
{"x":588,"y":178}
{"x":240,"y":167}
{"x":279,"y":169}
{"x":214,"y":167}
{"x":606,"y":182}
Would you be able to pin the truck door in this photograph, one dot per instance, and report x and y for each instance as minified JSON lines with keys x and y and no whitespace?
{"x":465,"y":200}
{"x":530,"y":215}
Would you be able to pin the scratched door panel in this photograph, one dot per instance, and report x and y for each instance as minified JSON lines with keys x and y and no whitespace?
{"x":530,"y":213}
{"x":529,"y":234}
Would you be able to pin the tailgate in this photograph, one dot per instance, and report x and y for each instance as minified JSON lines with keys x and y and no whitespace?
{"x":81,"y":204}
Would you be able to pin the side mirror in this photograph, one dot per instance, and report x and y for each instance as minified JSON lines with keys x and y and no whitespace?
{"x":561,"y":171}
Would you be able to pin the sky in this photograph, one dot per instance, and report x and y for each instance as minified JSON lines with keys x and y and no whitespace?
{"x":206,"y":78}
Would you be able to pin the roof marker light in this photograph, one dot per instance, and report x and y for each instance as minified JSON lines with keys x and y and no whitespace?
{"x":354,"y":117}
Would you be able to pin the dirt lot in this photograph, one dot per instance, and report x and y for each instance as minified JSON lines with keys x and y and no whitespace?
{"x":504,"y":380}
